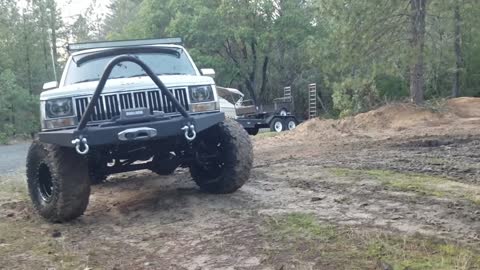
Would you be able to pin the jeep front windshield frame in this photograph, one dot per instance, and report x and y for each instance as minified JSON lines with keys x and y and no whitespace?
{"x":89,"y":67}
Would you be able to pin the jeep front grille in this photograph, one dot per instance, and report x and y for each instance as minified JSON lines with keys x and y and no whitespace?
{"x":109,"y":105}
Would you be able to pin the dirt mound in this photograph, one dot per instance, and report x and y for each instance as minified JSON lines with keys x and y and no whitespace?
{"x":319,"y":126}
{"x":394,"y":117}
{"x":465,"y":107}
{"x":397,"y":117}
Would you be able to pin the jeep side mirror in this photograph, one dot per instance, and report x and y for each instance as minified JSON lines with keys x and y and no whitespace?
{"x":50,"y":85}
{"x":208,"y":72}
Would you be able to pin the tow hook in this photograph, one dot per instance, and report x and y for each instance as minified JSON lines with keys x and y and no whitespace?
{"x":78,"y":146}
{"x":190,"y":133}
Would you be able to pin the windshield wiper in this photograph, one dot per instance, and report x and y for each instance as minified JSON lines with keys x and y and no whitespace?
{"x":138,"y":75}
{"x":87,"y":80}
{"x":172,"y":73}
{"x":123,"y":77}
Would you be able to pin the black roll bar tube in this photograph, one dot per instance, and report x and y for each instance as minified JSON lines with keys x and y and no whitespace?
{"x":106,"y":74}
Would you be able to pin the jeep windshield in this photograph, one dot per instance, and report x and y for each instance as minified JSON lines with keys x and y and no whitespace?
{"x":90,"y":67}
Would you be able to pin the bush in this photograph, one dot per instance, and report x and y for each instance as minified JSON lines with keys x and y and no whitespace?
{"x":391,"y":87}
{"x":18,"y":109}
{"x":355,"y":95}
{"x":6,"y":132}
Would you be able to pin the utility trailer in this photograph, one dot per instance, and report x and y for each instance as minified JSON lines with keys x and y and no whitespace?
{"x":277,"y":116}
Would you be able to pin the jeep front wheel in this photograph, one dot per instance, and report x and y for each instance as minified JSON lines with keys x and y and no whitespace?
{"x":224,"y":158}
{"x":58,"y":181}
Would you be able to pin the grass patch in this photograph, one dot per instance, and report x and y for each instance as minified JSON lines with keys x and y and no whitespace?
{"x":302,"y":225}
{"x":418,"y":183}
{"x":300,"y":237}
{"x":24,"y":243}
{"x":13,"y":187}
{"x":268,"y":134}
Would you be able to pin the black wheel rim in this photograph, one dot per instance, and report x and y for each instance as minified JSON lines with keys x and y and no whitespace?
{"x":45,"y":183}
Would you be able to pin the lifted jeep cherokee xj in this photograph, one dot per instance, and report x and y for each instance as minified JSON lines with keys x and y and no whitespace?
{"x":125,"y":106}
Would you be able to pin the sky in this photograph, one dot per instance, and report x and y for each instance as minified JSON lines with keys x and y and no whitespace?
{"x":71,"y":8}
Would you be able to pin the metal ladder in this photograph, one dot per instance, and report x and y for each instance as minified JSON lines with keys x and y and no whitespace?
{"x":287,"y":91}
{"x":312,"y":100}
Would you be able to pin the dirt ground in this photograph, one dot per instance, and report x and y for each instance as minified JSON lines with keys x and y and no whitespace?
{"x":395,"y":188}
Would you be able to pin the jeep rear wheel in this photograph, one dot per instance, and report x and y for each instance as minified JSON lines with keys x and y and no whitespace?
{"x":58,"y":181}
{"x":224,"y":158}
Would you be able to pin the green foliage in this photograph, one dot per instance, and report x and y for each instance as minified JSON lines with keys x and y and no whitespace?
{"x":355,"y":95}
{"x":261,"y":46}
{"x":359,"y":52}
{"x":17,"y":108}
{"x":25,"y":62}
{"x":391,"y":87}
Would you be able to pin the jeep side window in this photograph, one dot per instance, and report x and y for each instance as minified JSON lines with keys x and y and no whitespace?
{"x":161,"y":64}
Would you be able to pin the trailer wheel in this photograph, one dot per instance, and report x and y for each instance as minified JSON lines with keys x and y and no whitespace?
{"x":277,"y":125}
{"x":291,"y":123}
{"x":224,"y":158}
{"x":58,"y":181}
{"x":252,"y":131}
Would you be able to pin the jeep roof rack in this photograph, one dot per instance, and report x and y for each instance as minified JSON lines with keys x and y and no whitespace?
{"x":75,"y":47}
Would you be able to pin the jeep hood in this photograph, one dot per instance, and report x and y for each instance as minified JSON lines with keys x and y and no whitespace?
{"x":125,"y":85}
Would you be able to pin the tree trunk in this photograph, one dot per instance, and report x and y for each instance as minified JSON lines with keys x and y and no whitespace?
{"x":251,"y":90}
{"x":43,"y":28}
{"x":264,"y":76}
{"x":252,"y":78}
{"x":27,"y":54}
{"x":458,"y":51}
{"x":53,"y":38}
{"x":417,"y":44}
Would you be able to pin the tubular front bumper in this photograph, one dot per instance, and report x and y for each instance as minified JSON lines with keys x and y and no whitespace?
{"x":109,"y":133}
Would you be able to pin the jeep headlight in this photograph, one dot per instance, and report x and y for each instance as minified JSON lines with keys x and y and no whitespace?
{"x":57,"y":108}
{"x":200,"y":94}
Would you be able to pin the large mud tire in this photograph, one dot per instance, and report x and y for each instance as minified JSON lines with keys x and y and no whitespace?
{"x":235,"y":161}
{"x":58,"y":181}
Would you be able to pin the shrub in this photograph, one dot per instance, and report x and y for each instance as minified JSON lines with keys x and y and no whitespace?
{"x":355,"y":95}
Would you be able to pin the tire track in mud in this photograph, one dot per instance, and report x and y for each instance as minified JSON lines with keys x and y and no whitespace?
{"x":152,"y":222}
{"x":365,"y":203}
{"x":304,"y":184}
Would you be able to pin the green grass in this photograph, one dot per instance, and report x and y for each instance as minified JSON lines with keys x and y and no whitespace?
{"x":13,"y":187}
{"x":418,"y":183}
{"x":302,"y":225}
{"x":35,"y":247}
{"x":303,"y":238}
{"x":267,"y":134}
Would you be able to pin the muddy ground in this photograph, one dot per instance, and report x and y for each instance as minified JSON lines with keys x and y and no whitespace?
{"x":347,"y":202}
